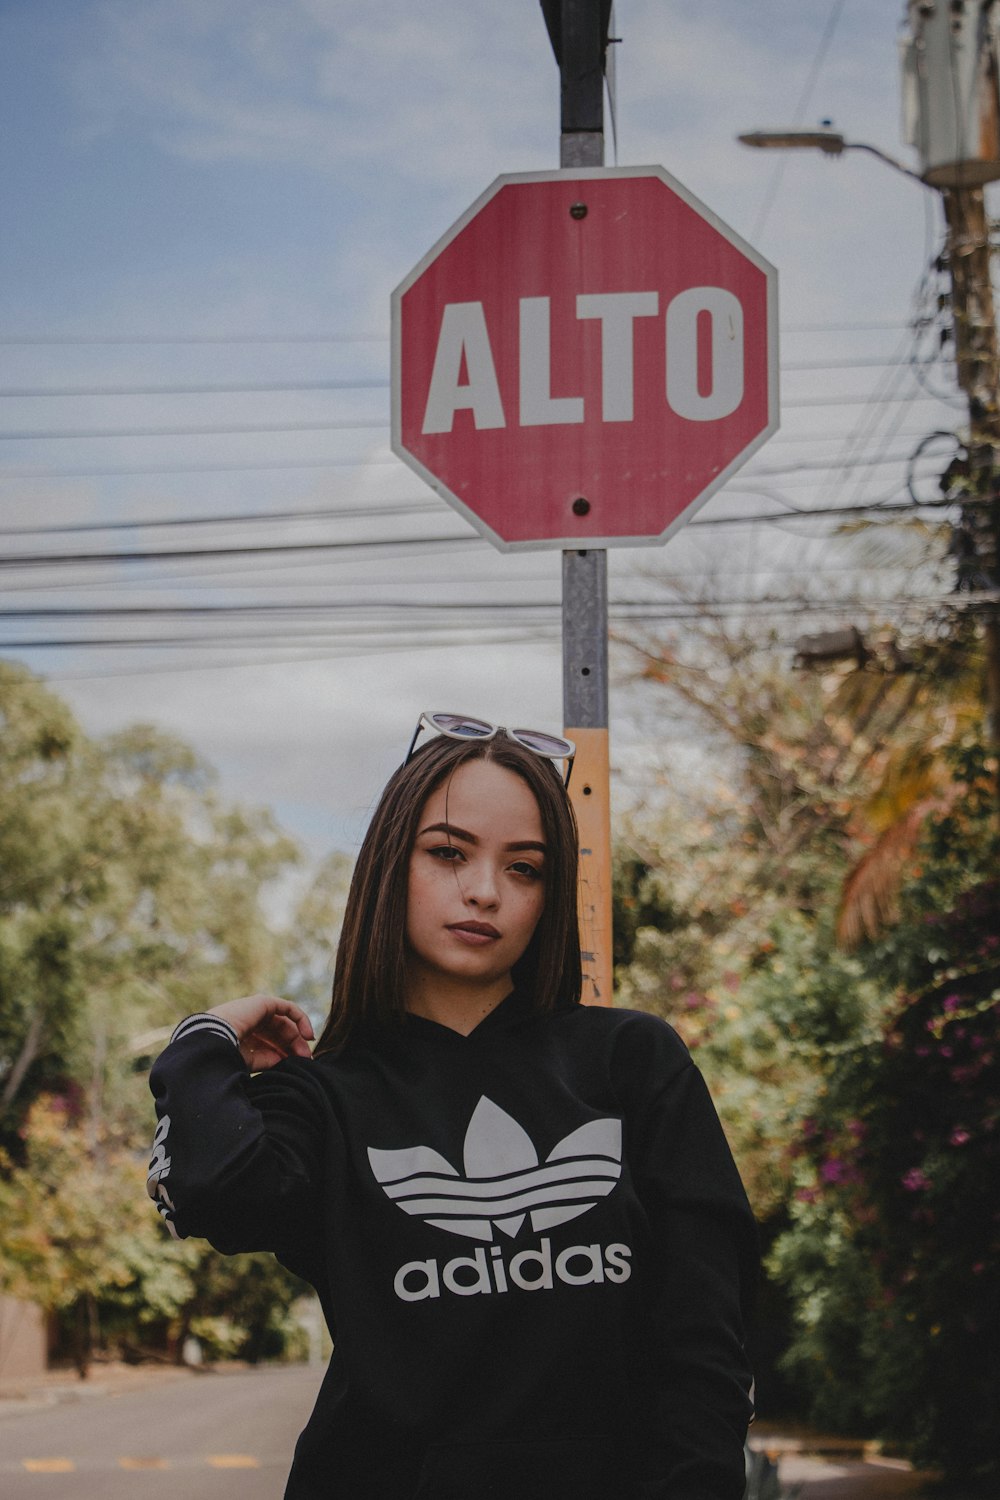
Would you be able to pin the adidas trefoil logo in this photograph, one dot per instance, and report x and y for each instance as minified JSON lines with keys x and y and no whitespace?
{"x":504,"y":1182}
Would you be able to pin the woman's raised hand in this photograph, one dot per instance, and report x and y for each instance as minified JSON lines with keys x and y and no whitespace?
{"x":269,"y":1029}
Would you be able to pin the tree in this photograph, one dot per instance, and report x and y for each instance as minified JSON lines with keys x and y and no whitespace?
{"x":829,"y":1065}
{"x":130,"y":896}
{"x":40,"y":863}
{"x":894,"y":1248}
{"x":82,"y":1241}
{"x":311,"y":941}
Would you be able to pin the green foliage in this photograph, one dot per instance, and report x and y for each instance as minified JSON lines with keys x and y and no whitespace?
{"x":82,"y":1240}
{"x":859,"y":1089}
{"x":78,"y":1239}
{"x":130,"y":896}
{"x":312,"y":939}
{"x":242,"y":1307}
{"x":894,"y":1251}
{"x":801,"y":1006}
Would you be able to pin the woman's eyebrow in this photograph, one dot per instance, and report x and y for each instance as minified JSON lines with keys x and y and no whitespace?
{"x":450,"y":830}
{"x":454,"y":832}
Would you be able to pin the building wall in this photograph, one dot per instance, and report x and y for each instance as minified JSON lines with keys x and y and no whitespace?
{"x":23,"y":1339}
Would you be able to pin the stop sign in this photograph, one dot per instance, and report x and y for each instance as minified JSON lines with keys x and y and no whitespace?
{"x":584,"y":358}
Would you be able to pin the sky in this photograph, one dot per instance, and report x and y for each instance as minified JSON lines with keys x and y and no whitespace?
{"x":206,"y":205}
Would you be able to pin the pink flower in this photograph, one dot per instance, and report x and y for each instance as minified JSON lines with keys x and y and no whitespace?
{"x":833,"y":1170}
{"x":952,"y":1002}
{"x":915,"y":1181}
{"x":959,"y":1136}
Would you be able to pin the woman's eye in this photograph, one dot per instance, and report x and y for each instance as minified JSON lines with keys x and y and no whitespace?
{"x":524,"y":867}
{"x":446,"y":853}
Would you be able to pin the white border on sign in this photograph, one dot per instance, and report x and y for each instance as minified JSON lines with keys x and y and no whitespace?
{"x":574,"y":543}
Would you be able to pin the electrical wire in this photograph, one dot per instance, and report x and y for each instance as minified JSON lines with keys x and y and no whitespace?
{"x":777,"y":174}
{"x":381,"y":383}
{"x":641,"y":613}
{"x":142,"y":339}
{"x":288,"y":548}
{"x":241,"y":429}
{"x":253,"y":429}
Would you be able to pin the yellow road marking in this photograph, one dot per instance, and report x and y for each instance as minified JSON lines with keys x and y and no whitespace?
{"x":232,"y":1461}
{"x":49,"y":1465}
{"x":143,"y":1463}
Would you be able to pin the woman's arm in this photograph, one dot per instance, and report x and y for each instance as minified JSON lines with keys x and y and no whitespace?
{"x":699,"y":1283}
{"x":238,"y":1160}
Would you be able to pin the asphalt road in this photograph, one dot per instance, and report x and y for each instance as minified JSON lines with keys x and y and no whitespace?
{"x":210,"y":1437}
{"x":229,"y":1436}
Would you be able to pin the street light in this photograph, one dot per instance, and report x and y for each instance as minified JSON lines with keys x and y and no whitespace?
{"x":830,"y":142}
{"x":977,"y":348}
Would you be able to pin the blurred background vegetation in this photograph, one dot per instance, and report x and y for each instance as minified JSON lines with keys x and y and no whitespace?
{"x":814,"y":903}
{"x":820,"y":917}
{"x":130,"y":896}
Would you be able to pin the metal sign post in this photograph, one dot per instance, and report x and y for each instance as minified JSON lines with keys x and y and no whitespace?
{"x":580,"y":53}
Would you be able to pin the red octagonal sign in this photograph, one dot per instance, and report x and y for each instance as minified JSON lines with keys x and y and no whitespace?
{"x":584,"y":357}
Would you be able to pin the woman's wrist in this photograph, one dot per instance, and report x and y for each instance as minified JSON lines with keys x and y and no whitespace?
{"x":206,"y":1020}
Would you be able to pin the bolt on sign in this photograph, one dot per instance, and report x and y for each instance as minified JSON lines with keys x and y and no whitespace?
{"x":584,"y":358}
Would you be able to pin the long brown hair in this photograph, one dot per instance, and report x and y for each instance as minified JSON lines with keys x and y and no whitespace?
{"x":370,"y":973}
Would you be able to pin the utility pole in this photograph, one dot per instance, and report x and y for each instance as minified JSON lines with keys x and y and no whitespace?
{"x":951,"y":106}
{"x":977,"y":361}
{"x":952,"y":98}
{"x":579,"y":33}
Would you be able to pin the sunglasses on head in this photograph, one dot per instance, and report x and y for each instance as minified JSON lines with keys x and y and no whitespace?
{"x":462,"y":727}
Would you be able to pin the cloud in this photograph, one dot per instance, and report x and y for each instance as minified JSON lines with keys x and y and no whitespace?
{"x":321,"y":84}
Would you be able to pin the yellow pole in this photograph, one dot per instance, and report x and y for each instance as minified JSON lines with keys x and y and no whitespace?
{"x":589,"y":791}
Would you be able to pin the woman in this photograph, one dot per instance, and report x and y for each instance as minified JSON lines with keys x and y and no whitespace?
{"x":520,"y":1214}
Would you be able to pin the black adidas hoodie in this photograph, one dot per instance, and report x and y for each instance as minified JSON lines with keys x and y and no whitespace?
{"x":531,"y":1245}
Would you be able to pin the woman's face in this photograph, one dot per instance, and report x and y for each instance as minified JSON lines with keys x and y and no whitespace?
{"x":476,"y":884}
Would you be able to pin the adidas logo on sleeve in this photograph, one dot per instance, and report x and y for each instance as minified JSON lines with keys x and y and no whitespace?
{"x":503,"y":1185}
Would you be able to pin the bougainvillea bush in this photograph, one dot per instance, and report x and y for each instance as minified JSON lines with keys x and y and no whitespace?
{"x":894,"y":1251}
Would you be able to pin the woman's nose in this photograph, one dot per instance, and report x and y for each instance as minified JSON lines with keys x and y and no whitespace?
{"x":481,"y":887}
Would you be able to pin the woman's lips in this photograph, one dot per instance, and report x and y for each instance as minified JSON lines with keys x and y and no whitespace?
{"x":476,"y":933}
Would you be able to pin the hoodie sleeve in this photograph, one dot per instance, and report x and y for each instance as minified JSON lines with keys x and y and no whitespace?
{"x":700,"y":1280}
{"x":236,"y":1159}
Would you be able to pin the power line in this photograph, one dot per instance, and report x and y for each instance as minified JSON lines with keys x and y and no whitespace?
{"x":259,"y":387}
{"x":75,"y":339}
{"x":868,"y":400}
{"x":890,"y":325}
{"x":193,"y":338}
{"x":815,"y":67}
{"x":272,"y":387}
{"x":252,"y":429}
{"x":246,"y":429}
{"x":781,"y":440}
{"x":265,"y":466}
{"x":190,"y":554}
{"x":545,"y":614}
{"x":417,"y":506}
